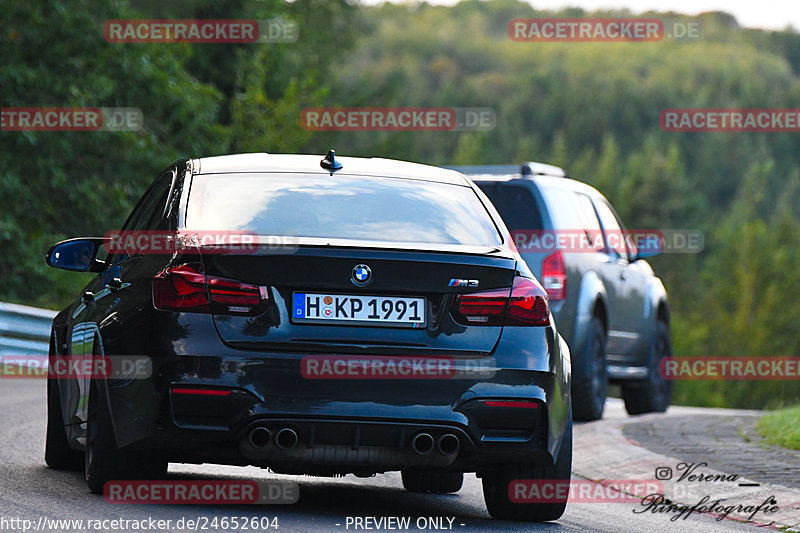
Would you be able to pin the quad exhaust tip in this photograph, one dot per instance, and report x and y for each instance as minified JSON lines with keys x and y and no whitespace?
{"x":448,"y":444}
{"x":286,"y":439}
{"x":260,"y":437}
{"x":422,"y":443}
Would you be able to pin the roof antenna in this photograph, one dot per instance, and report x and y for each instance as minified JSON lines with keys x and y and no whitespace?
{"x":330,"y":163}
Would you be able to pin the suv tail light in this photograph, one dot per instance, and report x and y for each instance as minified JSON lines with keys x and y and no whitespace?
{"x":525,"y":304}
{"x":187,"y":288}
{"x":554,"y":276}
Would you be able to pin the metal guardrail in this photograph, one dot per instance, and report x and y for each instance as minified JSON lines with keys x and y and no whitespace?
{"x":24,"y":330}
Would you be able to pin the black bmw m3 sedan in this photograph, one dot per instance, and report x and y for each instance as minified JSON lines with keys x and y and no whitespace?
{"x":313,"y":316}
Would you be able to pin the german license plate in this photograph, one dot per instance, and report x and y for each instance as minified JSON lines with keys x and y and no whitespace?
{"x":358,"y":309}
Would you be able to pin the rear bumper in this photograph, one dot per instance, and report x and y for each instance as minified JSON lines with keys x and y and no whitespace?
{"x":348,"y":425}
{"x":296,"y":434}
{"x":621,"y":372}
{"x":306,"y":435}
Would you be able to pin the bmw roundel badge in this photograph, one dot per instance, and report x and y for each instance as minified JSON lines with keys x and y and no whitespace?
{"x":362,"y":275}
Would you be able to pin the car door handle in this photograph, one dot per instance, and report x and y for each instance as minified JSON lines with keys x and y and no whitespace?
{"x":114,"y":284}
{"x":87,"y":297}
{"x":622,"y":275}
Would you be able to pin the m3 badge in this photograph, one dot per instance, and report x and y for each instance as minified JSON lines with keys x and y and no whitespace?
{"x":463,"y":283}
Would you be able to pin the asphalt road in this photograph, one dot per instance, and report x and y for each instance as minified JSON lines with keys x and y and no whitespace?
{"x":30,"y":491}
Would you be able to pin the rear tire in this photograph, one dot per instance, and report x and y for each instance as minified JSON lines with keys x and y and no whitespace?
{"x":57,"y":452}
{"x":432,"y":481}
{"x":653,"y":394}
{"x":496,"y":486}
{"x":589,"y":375}
{"x":103,"y":461}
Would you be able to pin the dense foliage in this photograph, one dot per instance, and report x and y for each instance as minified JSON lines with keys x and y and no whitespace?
{"x":590,"y":107}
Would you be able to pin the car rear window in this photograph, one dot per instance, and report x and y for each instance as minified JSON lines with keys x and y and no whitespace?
{"x":515,"y":205}
{"x":341,"y":207}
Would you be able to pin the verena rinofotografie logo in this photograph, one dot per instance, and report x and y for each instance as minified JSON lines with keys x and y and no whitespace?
{"x":71,"y":119}
{"x":644,"y":241}
{"x":209,"y":242}
{"x":592,"y":30}
{"x":721,"y":507}
{"x":582,"y":490}
{"x":730,"y":120}
{"x":232,"y":492}
{"x":277,"y":30}
{"x":398,"y":119}
{"x":731,"y":368}
{"x":393,"y":367}
{"x":75,"y":367}
{"x":691,"y":482}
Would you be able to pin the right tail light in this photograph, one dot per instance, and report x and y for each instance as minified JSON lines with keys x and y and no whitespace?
{"x":554,"y":276}
{"x":524,"y":304}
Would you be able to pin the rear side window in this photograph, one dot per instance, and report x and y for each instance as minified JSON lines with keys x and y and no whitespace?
{"x":148,"y":213}
{"x":590,"y":224}
{"x":611,"y":225}
{"x":515,"y":204}
{"x":151,"y":209}
{"x":562,"y":207}
{"x":340,"y":207}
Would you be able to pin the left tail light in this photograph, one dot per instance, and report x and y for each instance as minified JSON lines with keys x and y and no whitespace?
{"x":525,"y":304}
{"x":187,"y":288}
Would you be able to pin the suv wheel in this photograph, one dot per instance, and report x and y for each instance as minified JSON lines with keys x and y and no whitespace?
{"x":653,"y":394}
{"x":589,"y":377}
{"x":496,"y":486}
{"x":434,"y":481}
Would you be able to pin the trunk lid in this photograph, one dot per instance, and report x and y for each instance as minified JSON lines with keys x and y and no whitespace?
{"x":321,"y":271}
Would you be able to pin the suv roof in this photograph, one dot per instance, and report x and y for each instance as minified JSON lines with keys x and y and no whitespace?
{"x":374,"y":166}
{"x":541,"y":173}
{"x":526,"y":169}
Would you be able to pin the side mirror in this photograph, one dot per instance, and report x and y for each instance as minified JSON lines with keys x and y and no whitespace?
{"x":648,"y":245}
{"x":77,"y":255}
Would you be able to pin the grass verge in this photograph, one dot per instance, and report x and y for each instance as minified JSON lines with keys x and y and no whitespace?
{"x":782,"y":427}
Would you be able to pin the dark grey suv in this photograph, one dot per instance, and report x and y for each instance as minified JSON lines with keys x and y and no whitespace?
{"x":609,"y":305}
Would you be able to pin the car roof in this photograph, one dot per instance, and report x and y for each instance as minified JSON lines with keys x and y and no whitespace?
{"x":309,"y":164}
{"x":551,"y":182}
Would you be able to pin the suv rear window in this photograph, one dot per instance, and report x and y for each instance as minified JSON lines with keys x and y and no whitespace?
{"x":341,"y":207}
{"x":515,"y":204}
